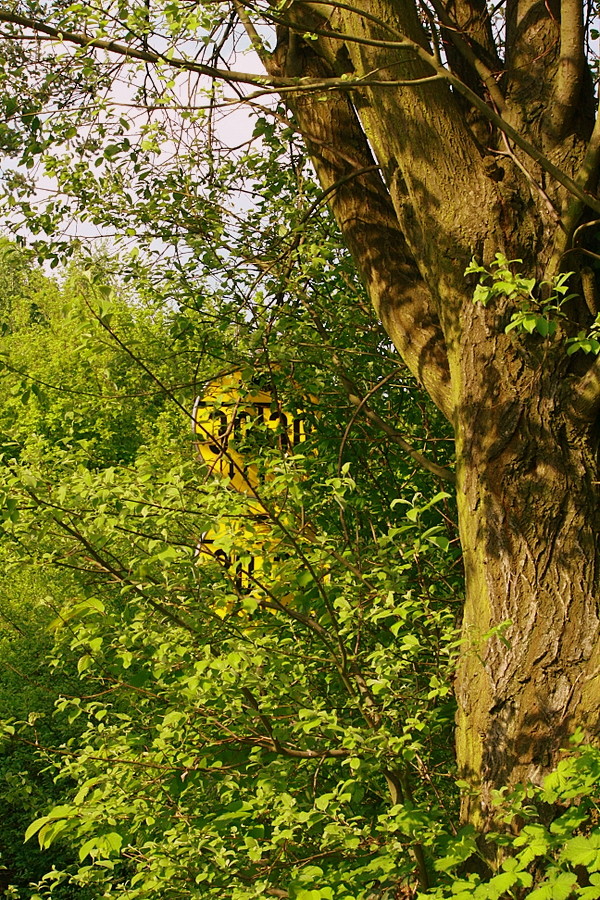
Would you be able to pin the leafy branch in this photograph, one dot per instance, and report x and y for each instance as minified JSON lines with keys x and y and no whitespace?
{"x":539,"y":306}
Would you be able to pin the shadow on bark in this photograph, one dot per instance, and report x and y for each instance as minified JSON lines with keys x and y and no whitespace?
{"x":530,"y":524}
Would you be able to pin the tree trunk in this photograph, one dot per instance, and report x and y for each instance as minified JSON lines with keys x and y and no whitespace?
{"x":529,"y":520}
{"x":527,"y":472}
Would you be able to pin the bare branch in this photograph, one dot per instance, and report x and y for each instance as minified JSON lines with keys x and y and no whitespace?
{"x":488,"y":78}
{"x":570,"y":67}
{"x":253,"y":35}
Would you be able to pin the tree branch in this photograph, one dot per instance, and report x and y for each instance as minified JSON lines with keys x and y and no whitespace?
{"x":272,"y":743}
{"x":532,"y":47}
{"x":404,"y":41}
{"x":537,"y":155}
{"x":474,"y":20}
{"x":488,"y":78}
{"x":278,"y":84}
{"x":366,"y":217}
{"x":585,"y":394}
{"x":360,"y":401}
{"x":284,"y":85}
{"x":395,"y":436}
{"x":254,"y":37}
{"x":586,"y":178}
{"x":570,"y":66}
{"x":119,"y":576}
{"x":273,"y":83}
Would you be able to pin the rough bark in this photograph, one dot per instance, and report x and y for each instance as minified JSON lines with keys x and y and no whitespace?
{"x":529,"y":518}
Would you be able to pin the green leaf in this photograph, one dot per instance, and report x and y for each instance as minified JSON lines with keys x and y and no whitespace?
{"x":35,"y":827}
{"x":583,"y":851}
{"x":442,"y":542}
{"x":474,"y":268}
{"x":88,"y":848}
{"x":543,"y":326}
{"x":113,"y":840}
{"x":559,"y":888}
{"x":482,"y":294}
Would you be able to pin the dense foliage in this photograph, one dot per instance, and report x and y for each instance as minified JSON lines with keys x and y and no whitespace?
{"x":230,"y":734}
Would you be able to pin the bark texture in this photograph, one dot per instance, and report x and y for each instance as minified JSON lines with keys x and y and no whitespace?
{"x":529,"y":518}
{"x":366,"y":217}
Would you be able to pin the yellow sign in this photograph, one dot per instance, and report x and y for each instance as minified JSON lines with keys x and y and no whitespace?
{"x":226,"y":422}
{"x":247,"y":550}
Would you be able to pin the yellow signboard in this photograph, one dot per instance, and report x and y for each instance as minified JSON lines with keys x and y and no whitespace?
{"x":227,"y":421}
{"x":229,"y":424}
{"x":250,"y":554}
